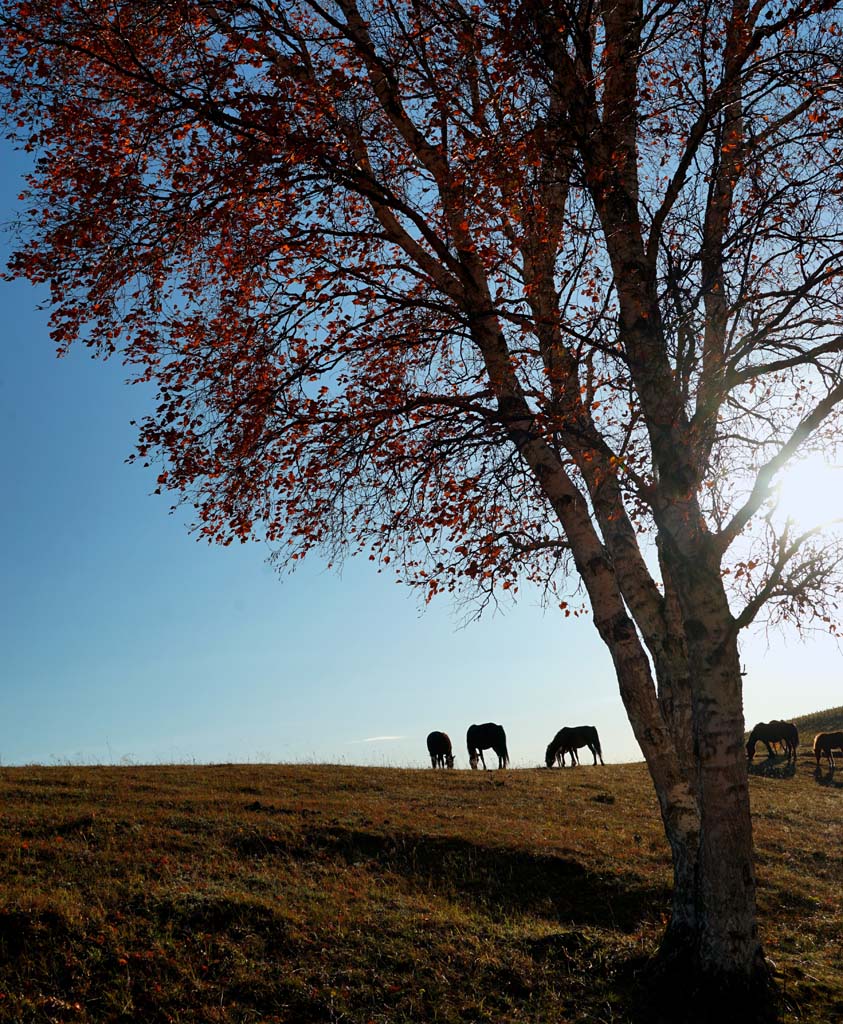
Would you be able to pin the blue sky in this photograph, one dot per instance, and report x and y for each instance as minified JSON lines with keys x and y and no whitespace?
{"x":123,"y":639}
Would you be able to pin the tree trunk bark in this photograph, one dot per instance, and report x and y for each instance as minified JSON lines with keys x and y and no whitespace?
{"x":713,"y":934}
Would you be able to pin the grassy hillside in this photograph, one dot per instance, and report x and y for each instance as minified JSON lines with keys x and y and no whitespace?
{"x":830,"y":720}
{"x":271,"y":893}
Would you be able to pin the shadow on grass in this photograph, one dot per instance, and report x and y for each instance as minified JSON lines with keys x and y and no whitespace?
{"x":501,"y":881}
{"x":773,"y":768}
{"x":20,"y":929}
{"x":829,"y":778}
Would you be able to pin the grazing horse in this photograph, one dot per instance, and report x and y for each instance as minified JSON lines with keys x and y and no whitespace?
{"x":791,"y":739}
{"x":776,"y":731}
{"x":788,"y":738}
{"x":567,"y":740}
{"x":558,"y":748}
{"x":480,"y":738}
{"x":825,"y":743}
{"x":556,"y":752}
{"x":439,"y":748}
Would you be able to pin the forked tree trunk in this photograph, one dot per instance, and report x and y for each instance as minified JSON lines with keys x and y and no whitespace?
{"x":711,"y":944}
{"x":690,"y":732}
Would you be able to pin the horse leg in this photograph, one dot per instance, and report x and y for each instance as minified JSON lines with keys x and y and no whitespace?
{"x":593,"y":750}
{"x":769,"y":749}
{"x":483,"y":759}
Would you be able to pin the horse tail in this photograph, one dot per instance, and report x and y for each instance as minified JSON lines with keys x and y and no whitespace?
{"x":597,"y":744}
{"x":505,"y":751}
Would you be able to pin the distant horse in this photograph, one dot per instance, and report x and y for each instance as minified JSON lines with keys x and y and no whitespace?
{"x":558,"y":748}
{"x":789,"y":737}
{"x":480,"y":738}
{"x":439,"y":748}
{"x":776,"y":731}
{"x":556,"y":751}
{"x":825,"y":743}
{"x":567,"y":740}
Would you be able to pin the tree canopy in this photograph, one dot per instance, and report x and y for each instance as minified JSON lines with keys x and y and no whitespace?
{"x":297,"y":219}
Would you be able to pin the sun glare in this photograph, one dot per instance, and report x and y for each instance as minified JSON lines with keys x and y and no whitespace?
{"x":811,"y":492}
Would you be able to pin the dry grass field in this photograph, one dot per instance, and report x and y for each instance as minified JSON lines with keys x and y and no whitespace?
{"x":270,"y":893}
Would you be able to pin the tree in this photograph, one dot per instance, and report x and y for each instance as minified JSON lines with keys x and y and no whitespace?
{"x":500,"y":291}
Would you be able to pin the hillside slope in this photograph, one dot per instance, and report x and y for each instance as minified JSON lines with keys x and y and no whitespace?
{"x":830,"y":720}
{"x":379,"y":896}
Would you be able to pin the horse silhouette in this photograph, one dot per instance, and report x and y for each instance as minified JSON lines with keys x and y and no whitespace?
{"x":825,"y":743}
{"x":558,"y":748}
{"x":568,"y":740}
{"x":480,"y":738}
{"x":776,"y":731}
{"x":439,"y":748}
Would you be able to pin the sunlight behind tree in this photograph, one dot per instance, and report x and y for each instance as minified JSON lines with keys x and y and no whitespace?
{"x":810,"y":493}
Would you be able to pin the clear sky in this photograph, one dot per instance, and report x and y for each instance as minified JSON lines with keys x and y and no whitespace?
{"x":123,"y":639}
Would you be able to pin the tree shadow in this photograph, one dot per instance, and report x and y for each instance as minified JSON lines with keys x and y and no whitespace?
{"x":502,"y":881}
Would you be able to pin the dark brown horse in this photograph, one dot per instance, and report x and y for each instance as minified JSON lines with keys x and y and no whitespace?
{"x":557,"y":749}
{"x":555,"y":753}
{"x":825,"y":743}
{"x":776,"y":731}
{"x":439,"y":748}
{"x":568,"y":740}
{"x":480,"y":738}
{"x":790,"y":738}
